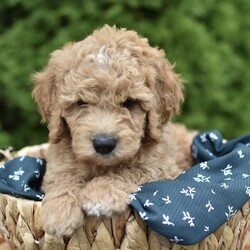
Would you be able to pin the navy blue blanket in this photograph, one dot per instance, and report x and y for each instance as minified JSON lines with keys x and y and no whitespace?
{"x":204,"y":197}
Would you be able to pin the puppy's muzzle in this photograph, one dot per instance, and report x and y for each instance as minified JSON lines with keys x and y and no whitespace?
{"x":104,"y":144}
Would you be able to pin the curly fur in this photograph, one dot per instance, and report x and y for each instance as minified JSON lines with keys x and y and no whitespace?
{"x":103,"y":71}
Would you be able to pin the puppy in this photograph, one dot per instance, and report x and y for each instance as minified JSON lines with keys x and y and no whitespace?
{"x":108,"y":101}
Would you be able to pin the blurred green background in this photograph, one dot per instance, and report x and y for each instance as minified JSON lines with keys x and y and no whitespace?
{"x":208,"y":40}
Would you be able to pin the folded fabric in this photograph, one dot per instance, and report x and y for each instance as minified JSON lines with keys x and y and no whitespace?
{"x":22,"y":177}
{"x":200,"y":200}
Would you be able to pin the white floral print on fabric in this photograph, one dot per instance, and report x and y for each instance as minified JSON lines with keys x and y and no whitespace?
{"x":188,"y":192}
{"x":166,"y":220}
{"x":200,"y":200}
{"x":22,"y":177}
{"x":166,"y":200}
{"x":16,"y":175}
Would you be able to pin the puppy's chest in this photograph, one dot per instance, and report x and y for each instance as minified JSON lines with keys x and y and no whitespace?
{"x":100,"y":171}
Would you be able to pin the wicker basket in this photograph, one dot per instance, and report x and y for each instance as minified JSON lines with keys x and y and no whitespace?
{"x":19,"y":225}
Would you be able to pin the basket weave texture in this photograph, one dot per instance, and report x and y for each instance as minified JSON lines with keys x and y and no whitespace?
{"x":20,"y":226}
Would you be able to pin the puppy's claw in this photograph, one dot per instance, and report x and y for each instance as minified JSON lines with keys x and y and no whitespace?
{"x":97,"y":209}
{"x":105,"y":206}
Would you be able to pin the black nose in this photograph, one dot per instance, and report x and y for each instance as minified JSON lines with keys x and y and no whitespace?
{"x":104,"y":144}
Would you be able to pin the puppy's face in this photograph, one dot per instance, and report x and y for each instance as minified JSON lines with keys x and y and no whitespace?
{"x":108,"y":94}
{"x":104,"y":103}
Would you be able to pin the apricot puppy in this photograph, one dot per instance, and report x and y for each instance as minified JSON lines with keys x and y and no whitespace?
{"x":108,"y":101}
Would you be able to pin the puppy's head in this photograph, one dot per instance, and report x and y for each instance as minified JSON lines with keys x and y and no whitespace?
{"x":109,"y":94}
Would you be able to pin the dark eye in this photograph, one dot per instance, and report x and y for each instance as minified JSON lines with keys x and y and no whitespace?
{"x":82,"y":104}
{"x":129,"y":103}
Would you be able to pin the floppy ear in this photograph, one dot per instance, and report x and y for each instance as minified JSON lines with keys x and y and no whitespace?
{"x":167,"y":88}
{"x":46,"y":97}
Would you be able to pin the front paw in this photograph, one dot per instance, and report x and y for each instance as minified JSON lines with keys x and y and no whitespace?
{"x":60,"y":216}
{"x":104,"y":204}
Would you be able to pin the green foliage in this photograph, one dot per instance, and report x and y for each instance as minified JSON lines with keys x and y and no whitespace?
{"x":208,"y":40}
